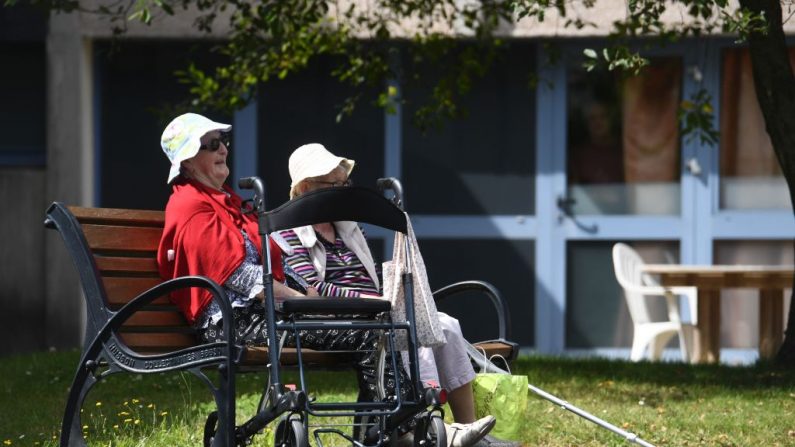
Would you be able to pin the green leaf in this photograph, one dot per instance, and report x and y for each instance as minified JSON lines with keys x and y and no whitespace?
{"x":167,"y":8}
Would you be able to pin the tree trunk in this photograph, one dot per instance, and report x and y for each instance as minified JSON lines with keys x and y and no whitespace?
{"x":775,"y":91}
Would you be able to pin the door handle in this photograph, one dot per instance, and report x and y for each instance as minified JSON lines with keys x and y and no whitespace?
{"x":564,"y":205}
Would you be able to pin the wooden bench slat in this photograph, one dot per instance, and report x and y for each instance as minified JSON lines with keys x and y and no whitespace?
{"x":258,"y":355}
{"x":496,"y":348}
{"x":154,"y":318}
{"x":254,"y":356}
{"x":118,"y":216}
{"x":120,"y":265}
{"x":121,"y":290}
{"x":122,"y":238}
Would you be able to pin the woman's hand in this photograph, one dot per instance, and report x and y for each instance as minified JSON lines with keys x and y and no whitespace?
{"x":280,"y":289}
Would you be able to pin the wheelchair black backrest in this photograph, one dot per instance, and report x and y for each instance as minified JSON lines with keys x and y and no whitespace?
{"x":336,"y":204}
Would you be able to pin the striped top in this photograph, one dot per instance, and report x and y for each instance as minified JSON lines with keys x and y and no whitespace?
{"x":345,"y":274}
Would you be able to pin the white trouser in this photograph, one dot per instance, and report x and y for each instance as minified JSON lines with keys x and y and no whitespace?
{"x":448,"y":364}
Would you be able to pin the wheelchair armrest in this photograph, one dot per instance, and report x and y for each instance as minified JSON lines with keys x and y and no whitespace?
{"x":500,"y":305}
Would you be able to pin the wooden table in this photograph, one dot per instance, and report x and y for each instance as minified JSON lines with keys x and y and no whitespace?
{"x":771,"y":280}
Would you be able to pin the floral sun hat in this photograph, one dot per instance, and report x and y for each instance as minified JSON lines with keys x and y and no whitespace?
{"x":182,"y":138}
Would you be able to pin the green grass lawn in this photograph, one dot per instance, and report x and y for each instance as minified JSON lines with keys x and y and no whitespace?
{"x":666,"y":404}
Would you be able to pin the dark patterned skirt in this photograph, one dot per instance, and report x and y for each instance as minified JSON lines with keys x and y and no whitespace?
{"x":250,"y":328}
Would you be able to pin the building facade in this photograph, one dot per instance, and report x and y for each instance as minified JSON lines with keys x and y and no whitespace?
{"x":529,"y":191}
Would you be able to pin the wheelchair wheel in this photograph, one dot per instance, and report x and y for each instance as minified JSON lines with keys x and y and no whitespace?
{"x":210,"y":427}
{"x":436,"y":435}
{"x":291,"y":432}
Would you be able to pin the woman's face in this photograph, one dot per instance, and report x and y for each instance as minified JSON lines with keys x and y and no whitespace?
{"x":337,"y":177}
{"x":208,"y":166}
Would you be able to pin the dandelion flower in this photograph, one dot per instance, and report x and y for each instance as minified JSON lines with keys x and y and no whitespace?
{"x":99,"y":404}
{"x":7,"y":442}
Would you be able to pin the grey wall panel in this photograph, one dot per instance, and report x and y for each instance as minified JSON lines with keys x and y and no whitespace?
{"x":69,"y":170}
{"x":22,"y":297}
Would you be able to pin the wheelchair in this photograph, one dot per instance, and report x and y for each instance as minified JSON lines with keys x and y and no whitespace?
{"x":375,"y":423}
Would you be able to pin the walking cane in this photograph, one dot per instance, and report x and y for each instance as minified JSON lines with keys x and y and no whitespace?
{"x":485,"y":365}
{"x":630,"y":437}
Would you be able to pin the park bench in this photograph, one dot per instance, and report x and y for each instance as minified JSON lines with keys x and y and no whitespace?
{"x":134,"y":328}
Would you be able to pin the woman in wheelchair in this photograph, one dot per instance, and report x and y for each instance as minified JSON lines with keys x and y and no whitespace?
{"x":206,"y":233}
{"x":335,"y":259}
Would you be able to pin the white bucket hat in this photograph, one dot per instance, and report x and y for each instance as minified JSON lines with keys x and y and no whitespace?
{"x":314,"y":160}
{"x":182,"y":138}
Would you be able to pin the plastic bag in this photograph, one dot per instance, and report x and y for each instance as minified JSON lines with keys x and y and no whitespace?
{"x":503,"y":396}
{"x":500,"y":394}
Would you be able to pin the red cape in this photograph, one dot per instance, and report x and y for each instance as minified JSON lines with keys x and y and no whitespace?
{"x":203,"y":232}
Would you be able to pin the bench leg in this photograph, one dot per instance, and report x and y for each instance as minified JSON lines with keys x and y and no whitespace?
{"x":220,"y":430}
{"x":72,"y":426}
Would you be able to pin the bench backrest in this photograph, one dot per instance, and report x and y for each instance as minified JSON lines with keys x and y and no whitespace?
{"x":115,"y":254}
{"x":122,"y":246}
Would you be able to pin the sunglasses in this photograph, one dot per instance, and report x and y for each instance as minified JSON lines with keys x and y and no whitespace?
{"x":215,"y":143}
{"x":347,"y":182}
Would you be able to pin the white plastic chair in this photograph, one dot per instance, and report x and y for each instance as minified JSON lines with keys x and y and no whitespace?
{"x":638,"y":287}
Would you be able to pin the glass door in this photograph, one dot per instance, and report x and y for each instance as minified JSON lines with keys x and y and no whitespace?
{"x":613,"y":166}
{"x":616,"y":170}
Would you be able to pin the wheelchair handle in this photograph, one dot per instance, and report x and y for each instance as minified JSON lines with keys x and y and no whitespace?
{"x":392,"y":183}
{"x":256,"y":184}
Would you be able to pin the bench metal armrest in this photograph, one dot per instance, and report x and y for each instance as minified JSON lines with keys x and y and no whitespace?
{"x":118,"y":318}
{"x":500,"y":305}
